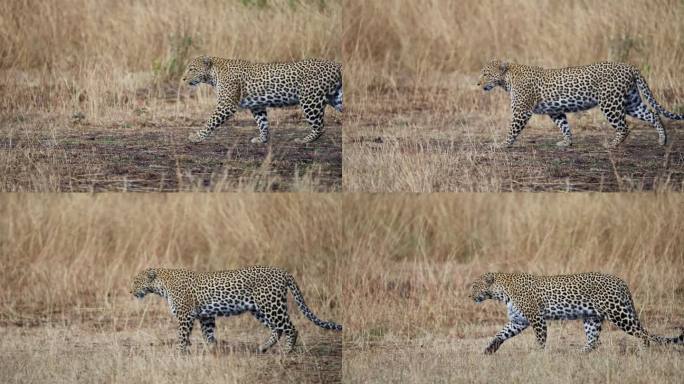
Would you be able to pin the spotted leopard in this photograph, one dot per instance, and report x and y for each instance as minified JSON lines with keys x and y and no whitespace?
{"x":592,"y":297}
{"x":261,"y":291}
{"x":312,"y":84}
{"x":614,"y":87}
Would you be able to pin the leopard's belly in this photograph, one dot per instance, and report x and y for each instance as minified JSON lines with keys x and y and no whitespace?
{"x":225,"y":306}
{"x":564,"y":311}
{"x":550,"y":107}
{"x":281,"y":97}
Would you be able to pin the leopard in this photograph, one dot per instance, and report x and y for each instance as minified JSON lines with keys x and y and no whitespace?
{"x":258,"y":290}
{"x":311,"y":83}
{"x":533,"y":299}
{"x":614,"y":87}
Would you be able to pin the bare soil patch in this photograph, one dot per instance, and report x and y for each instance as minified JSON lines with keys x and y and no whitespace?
{"x":156,"y":156}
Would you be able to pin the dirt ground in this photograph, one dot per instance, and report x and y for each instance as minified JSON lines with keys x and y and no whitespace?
{"x":146,"y":154}
{"x":433,"y":148}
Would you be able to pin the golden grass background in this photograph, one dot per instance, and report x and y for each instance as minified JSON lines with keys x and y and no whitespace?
{"x":399,"y":43}
{"x":82,"y":249}
{"x":93,"y":56}
{"x":411,"y":258}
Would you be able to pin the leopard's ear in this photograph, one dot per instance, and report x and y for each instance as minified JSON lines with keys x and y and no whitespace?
{"x":206,"y":60}
{"x":503,"y":66}
{"x":488,"y":278}
{"x":151,"y":274}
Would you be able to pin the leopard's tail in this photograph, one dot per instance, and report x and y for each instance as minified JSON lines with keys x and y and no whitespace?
{"x":299,"y":299}
{"x":335,"y":93}
{"x":335,"y":98}
{"x":646,"y":91}
{"x":639,"y":331}
{"x":668,"y":340}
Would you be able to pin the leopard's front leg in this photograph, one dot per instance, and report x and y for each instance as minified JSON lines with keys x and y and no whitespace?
{"x":520,"y":118}
{"x":511,"y":329}
{"x":521,"y":110}
{"x":224,"y":110}
{"x":185,"y":324}
{"x":539,"y":325}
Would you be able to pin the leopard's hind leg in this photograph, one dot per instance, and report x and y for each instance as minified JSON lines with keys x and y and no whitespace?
{"x":208,"y":325}
{"x":623,"y":314}
{"x":635,"y":107}
{"x":592,"y":328}
{"x":265,"y":319}
{"x":275,"y":316}
{"x":313,"y":107}
{"x":561,"y":121}
{"x":261,"y":118}
{"x":615,"y":114}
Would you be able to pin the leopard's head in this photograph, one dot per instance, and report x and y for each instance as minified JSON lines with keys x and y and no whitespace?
{"x":198,"y":71}
{"x":484,"y":288}
{"x":492,"y":74}
{"x":144,"y":283}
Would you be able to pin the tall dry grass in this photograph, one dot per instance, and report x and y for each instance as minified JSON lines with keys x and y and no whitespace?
{"x":64,"y":252}
{"x":399,"y":43}
{"x":98,"y":56}
{"x":412,"y":256}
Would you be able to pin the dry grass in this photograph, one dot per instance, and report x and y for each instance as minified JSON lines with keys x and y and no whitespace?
{"x":411,"y":257}
{"x":78,"y":73}
{"x":417,"y":122}
{"x":451,"y":360}
{"x":96,"y":56}
{"x":68,"y":261}
{"x":87,"y":353}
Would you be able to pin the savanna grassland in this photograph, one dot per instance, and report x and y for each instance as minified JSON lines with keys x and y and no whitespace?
{"x":91,"y":97}
{"x":411,"y":258}
{"x":66,"y":314}
{"x":417,"y":121}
